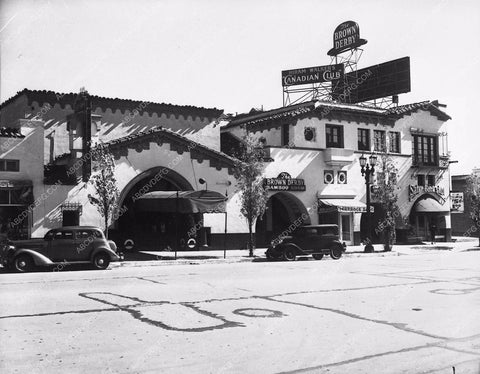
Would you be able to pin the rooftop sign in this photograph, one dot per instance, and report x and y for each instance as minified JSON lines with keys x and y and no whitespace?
{"x":389,"y":78}
{"x":345,"y":37}
{"x":314,"y":74}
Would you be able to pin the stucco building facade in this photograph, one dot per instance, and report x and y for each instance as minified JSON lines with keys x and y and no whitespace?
{"x":157,"y":147}
{"x":311,"y":170}
{"x":318,"y":144}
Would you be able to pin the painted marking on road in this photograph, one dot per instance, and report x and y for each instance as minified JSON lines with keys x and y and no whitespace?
{"x":400,"y":326}
{"x":150,"y":280}
{"x":259,"y":313}
{"x":150,"y":312}
{"x":454,"y":291}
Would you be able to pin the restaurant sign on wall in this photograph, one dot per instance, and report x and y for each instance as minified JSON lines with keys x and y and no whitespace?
{"x":284,"y":182}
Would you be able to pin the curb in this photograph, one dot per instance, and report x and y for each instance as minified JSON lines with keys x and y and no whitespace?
{"x":231,"y":260}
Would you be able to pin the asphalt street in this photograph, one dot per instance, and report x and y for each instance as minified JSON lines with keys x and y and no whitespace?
{"x":411,"y":313}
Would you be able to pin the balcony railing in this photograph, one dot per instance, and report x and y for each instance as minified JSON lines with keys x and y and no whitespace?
{"x":441,"y":162}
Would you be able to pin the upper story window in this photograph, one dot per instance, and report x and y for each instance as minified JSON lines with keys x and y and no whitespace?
{"x":421,"y":180}
{"x":9,"y":165}
{"x":379,"y":141}
{"x":425,"y":150}
{"x":394,"y":141}
{"x":334,"y":135}
{"x":363,"y":139}
{"x":431,"y":180}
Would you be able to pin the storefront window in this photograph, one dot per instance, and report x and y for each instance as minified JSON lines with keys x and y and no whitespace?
{"x":9,"y":165}
{"x":4,"y":197}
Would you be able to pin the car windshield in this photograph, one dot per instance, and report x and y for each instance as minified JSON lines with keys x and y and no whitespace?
{"x":330,"y":230}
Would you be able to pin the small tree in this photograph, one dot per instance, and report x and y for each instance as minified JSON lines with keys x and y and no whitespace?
{"x":104,"y":184}
{"x":248,"y":172}
{"x":473,"y":200}
{"x":386,"y":195}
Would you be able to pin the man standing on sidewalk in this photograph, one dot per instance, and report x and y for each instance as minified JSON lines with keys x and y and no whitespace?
{"x":433,"y":231}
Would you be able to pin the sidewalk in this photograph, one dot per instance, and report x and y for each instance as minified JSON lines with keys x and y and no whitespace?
{"x":162,"y":258}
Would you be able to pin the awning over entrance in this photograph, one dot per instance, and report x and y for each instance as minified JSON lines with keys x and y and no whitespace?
{"x":430,"y":205}
{"x":183,"y":202}
{"x":341,"y":206}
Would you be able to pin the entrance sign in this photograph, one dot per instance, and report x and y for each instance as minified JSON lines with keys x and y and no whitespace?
{"x":314,"y":74}
{"x":345,"y":37}
{"x":457,"y":202}
{"x":414,"y":191}
{"x":284,"y":182}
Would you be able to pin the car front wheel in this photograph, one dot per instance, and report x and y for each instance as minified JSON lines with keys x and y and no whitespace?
{"x":336,"y":252}
{"x":101,"y":261}
{"x":289,"y":254}
{"x":23,"y":263}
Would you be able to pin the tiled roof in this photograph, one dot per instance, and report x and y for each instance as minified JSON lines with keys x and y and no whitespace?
{"x":173,"y":138}
{"x":63,"y":99}
{"x":9,"y":132}
{"x":256,"y":117}
{"x":329,"y":109}
{"x":430,"y":106}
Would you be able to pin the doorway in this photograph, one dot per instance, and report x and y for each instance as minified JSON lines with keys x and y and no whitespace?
{"x":346,"y":228}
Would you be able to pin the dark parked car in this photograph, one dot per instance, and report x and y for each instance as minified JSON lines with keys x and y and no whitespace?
{"x":65,"y":245}
{"x":315,"y":240}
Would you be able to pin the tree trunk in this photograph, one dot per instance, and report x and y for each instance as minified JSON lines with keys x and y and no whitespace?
{"x":106,"y":227}
{"x":250,"y":240}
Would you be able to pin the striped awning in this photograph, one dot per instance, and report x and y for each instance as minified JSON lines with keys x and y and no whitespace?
{"x":342,"y":206}
{"x":430,"y":205}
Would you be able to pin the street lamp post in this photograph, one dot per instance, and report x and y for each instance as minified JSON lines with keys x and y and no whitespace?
{"x":368,"y":169}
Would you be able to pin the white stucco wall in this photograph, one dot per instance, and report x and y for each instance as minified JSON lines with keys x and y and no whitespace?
{"x":309,"y":164}
{"x":29,"y":151}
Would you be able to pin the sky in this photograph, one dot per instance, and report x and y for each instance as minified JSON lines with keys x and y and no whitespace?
{"x":229,"y":54}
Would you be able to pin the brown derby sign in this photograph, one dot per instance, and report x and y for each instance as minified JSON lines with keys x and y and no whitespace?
{"x":345,"y":37}
{"x":414,"y":191}
{"x":284,"y":182}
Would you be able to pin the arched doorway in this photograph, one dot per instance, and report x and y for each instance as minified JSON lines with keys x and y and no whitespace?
{"x":283,"y":210}
{"x":152,"y":229}
{"x":429,"y":211}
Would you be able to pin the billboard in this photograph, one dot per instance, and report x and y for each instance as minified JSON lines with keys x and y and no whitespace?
{"x":374,"y":82}
{"x":345,"y":37}
{"x":314,"y":74}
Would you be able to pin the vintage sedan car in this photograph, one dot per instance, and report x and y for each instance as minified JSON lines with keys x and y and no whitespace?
{"x":314,"y":240}
{"x":65,"y":245}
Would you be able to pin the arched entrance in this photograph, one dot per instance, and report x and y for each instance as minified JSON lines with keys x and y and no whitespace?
{"x":152,"y":229}
{"x":428,"y":214}
{"x":283,"y":209}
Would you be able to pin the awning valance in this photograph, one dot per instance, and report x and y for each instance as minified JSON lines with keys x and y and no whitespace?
{"x":204,"y":201}
{"x":342,"y":206}
{"x":430,"y":205}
